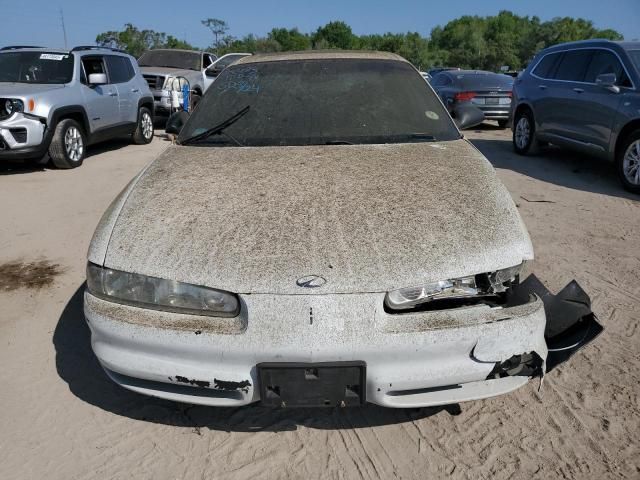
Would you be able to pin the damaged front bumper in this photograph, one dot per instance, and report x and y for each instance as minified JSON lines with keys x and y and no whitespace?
{"x":414,"y":359}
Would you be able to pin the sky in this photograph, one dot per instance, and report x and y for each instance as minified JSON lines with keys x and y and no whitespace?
{"x":38,"y":22}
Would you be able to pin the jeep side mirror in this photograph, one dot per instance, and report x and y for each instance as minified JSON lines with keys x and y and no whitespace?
{"x":608,"y":81}
{"x":467,"y":116}
{"x":97,"y":79}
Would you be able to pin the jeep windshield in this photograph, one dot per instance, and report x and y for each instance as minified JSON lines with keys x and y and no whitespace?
{"x":36,"y":67}
{"x":319,"y":102}
{"x":171,"y":59}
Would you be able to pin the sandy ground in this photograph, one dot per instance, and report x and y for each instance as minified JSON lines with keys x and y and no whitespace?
{"x":61,"y":418}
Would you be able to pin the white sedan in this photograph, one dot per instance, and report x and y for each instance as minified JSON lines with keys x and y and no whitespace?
{"x":321,"y":235}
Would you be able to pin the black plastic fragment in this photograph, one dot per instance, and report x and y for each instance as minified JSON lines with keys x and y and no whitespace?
{"x":570,"y":322}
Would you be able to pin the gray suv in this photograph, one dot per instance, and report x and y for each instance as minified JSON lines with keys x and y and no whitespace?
{"x":60,"y":101}
{"x":583,"y":95}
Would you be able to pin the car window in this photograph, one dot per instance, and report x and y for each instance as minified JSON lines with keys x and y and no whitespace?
{"x":635,"y":57}
{"x":313,"y":102}
{"x":604,"y":61}
{"x":206,"y":61}
{"x":546,"y":66}
{"x":92,"y":65}
{"x":573,"y":65}
{"x":171,"y":59}
{"x":483,"y":81}
{"x":36,"y":67}
{"x":228,"y":60}
{"x":120,"y":70}
{"x":440,"y":80}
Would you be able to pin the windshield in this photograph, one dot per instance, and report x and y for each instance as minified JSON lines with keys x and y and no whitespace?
{"x":171,"y":58}
{"x":311,"y":102}
{"x":36,"y":67}
{"x":478,"y":81}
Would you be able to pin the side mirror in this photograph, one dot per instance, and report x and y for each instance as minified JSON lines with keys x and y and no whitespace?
{"x":608,"y":81}
{"x":214,"y":71}
{"x":175,"y":122}
{"x":467,"y":116}
{"x":97,"y":79}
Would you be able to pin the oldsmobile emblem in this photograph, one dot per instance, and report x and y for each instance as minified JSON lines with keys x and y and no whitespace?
{"x":311,"y":281}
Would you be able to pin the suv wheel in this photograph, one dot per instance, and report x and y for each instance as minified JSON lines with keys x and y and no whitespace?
{"x":628,"y":162}
{"x":144,"y":130}
{"x":524,"y":133}
{"x":67,"y":149}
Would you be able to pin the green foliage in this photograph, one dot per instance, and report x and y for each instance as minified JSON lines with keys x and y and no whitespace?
{"x":334,"y":35}
{"x":132,"y":40}
{"x":469,"y":41}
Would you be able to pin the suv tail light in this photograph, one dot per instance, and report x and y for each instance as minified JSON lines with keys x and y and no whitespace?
{"x":464,"y":96}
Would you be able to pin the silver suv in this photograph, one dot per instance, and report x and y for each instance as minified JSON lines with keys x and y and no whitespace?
{"x":583,"y":95}
{"x":61,"y":101}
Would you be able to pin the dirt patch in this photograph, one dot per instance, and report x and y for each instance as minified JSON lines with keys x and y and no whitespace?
{"x":15,"y":275}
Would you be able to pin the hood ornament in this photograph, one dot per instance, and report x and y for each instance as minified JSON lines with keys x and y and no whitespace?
{"x":311,"y":281}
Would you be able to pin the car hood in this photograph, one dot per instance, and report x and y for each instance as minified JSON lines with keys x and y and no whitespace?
{"x":24,"y":89}
{"x":367,"y":218}
{"x":164,"y":71}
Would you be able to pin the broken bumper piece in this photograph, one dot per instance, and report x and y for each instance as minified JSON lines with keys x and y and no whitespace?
{"x":415,"y":359}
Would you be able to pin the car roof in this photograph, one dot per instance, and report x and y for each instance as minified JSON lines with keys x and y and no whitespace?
{"x":471,"y":72}
{"x":320,"y":55}
{"x":596,"y":42}
{"x":175,"y":50}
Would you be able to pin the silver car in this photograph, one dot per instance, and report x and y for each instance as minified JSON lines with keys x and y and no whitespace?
{"x":584,"y":96}
{"x":310,"y":242}
{"x":61,"y":101}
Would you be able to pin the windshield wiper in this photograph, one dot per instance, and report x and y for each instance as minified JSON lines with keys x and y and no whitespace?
{"x":218,"y":129}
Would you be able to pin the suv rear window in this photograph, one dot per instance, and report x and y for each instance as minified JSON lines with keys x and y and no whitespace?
{"x":573,"y":65}
{"x":545,"y":68}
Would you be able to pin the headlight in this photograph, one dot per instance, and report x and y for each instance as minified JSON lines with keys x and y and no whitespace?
{"x":13,"y":105}
{"x":158,"y":294}
{"x":457,"y":288}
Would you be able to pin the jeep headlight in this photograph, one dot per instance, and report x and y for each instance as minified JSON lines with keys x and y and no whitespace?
{"x":453,"y":289}
{"x":13,"y":105}
{"x":159,"y":294}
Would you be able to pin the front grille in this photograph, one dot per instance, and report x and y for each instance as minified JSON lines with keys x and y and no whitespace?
{"x":155,"y":81}
{"x":19,"y":134}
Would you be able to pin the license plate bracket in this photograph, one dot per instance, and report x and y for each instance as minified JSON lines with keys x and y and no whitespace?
{"x":327,"y":384}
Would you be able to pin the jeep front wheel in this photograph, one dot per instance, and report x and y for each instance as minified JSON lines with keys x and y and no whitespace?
{"x":144,"y":130}
{"x":68,"y":145}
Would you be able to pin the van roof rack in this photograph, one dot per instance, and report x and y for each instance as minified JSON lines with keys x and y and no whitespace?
{"x":95,"y":47}
{"x":18,"y":47}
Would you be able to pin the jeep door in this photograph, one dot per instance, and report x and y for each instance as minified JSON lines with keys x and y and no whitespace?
{"x":122,"y":75}
{"x":101,"y":101}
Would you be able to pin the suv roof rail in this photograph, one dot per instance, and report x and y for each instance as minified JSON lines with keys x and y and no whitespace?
{"x":96,"y":47}
{"x":18,"y":47}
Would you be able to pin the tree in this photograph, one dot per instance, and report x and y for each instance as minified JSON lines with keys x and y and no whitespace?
{"x":132,"y":40}
{"x":334,"y":35}
{"x":290,"y":40}
{"x":218,"y":28}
